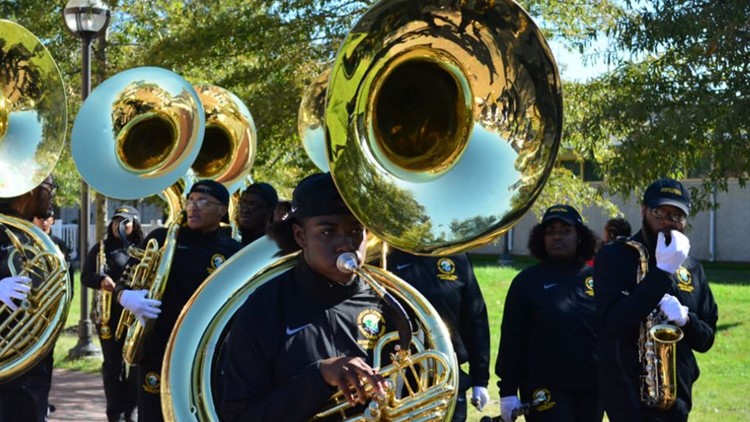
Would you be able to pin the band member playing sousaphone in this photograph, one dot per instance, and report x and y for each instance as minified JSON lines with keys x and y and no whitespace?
{"x":651,"y":277}
{"x":201,"y":248}
{"x":105,"y":264}
{"x":311,"y":330}
{"x":24,"y":398}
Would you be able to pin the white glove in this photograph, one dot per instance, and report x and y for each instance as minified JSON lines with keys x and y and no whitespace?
{"x":669,"y":258}
{"x":135,"y":301}
{"x":674,"y":310}
{"x":15,"y":287}
{"x":479,"y":397}
{"x":508,"y":406}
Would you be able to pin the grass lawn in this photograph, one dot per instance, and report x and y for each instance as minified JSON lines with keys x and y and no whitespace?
{"x":717,"y":395}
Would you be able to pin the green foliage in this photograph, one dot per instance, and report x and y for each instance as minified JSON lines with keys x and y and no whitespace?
{"x":677,"y":101}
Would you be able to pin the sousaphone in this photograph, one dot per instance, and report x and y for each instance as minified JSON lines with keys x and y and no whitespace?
{"x":33,"y":118}
{"x":442,"y":121}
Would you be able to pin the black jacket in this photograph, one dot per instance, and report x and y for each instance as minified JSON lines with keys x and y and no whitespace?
{"x":547,"y":335}
{"x":196,"y":256}
{"x":25,"y":396}
{"x":622,"y":305}
{"x":280,"y":335}
{"x":449,"y":284}
{"x":116,"y":257}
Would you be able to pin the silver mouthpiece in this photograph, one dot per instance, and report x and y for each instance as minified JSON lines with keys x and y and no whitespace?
{"x":347,"y":262}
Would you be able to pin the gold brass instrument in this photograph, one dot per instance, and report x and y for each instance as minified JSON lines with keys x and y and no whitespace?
{"x":657,"y":343}
{"x":33,"y":119}
{"x":102,"y":298}
{"x":168,"y":134}
{"x":151,"y":274}
{"x":145,"y":126}
{"x":29,"y":333}
{"x":442,"y":126}
{"x":310,"y":124}
{"x":229,"y":145}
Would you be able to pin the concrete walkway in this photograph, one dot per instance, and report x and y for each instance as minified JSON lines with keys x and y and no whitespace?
{"x":77,"y":396}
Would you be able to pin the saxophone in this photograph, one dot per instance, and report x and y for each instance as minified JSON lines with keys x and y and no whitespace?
{"x":102,"y":298}
{"x":657,"y":343}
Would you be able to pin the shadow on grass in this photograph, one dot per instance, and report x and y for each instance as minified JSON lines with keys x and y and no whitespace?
{"x":722,"y":327}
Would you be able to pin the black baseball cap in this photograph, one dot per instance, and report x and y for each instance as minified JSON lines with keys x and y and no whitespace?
{"x":317,"y":195}
{"x":127,"y":212}
{"x":265,"y":191}
{"x":213,"y":188}
{"x":564,"y":213}
{"x":667,"y":191}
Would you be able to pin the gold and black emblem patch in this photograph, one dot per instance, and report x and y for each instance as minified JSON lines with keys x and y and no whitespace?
{"x":589,"y":282}
{"x":216,"y":261}
{"x":684,"y":280}
{"x":542,"y":399}
{"x":152,"y":383}
{"x":446,"y":269}
{"x":371,"y":325}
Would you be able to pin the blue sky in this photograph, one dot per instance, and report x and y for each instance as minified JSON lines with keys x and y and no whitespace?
{"x":571,"y":64}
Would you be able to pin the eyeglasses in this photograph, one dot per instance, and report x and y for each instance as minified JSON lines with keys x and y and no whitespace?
{"x":51,"y":187}
{"x":200,"y":203}
{"x":661,"y":214}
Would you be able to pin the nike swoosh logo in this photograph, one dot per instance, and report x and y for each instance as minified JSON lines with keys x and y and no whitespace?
{"x":292,"y":331}
{"x":549,"y":286}
{"x":402,"y":266}
{"x":183,"y":247}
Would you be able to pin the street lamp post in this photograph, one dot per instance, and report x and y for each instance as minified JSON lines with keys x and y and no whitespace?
{"x":86,"y":19}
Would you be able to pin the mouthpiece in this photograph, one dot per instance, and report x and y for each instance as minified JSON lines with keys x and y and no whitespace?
{"x":347,"y":262}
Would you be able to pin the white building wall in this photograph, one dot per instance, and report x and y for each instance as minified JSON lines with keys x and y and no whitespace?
{"x":731,"y":229}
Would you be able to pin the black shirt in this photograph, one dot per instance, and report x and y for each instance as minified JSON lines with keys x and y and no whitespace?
{"x":449,"y":284}
{"x":196,"y":256}
{"x":280,"y":335}
{"x":547,"y":335}
{"x":623,"y":304}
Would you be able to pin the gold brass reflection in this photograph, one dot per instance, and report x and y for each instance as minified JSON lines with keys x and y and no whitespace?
{"x":449,"y":118}
{"x":145,"y":126}
{"x":230,"y":140}
{"x":310,"y":125}
{"x":33,"y":111}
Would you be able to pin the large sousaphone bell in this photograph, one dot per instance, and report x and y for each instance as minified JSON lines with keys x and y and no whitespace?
{"x":146,"y":131}
{"x":33,"y":118}
{"x":442,"y":124}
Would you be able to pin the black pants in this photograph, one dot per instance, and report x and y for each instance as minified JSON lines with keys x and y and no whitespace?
{"x":565,"y":405}
{"x":677,"y":413}
{"x":149,"y":384}
{"x":26,"y":398}
{"x":120,"y":387}
{"x":464,"y":382}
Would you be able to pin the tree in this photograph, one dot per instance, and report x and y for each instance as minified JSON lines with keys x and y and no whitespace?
{"x":267,"y":52}
{"x":676,"y":103}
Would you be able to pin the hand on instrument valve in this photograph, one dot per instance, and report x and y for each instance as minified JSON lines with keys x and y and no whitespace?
{"x":350,"y":374}
{"x":669,"y":258}
{"x":136,"y":302}
{"x":107,"y":284}
{"x":674,"y":310}
{"x":479,"y":397}
{"x":15,"y":287}
{"x":509,"y":406}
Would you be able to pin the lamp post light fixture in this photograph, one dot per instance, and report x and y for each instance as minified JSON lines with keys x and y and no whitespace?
{"x":86,"y":19}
